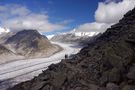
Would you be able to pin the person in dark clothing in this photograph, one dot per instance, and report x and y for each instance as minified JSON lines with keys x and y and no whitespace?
{"x":66,"y":56}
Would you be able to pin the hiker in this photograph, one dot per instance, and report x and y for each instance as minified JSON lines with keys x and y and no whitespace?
{"x":66,"y":56}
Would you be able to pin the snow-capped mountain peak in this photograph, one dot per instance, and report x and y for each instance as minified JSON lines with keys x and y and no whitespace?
{"x":81,"y":33}
{"x":4,"y":30}
{"x":90,"y":34}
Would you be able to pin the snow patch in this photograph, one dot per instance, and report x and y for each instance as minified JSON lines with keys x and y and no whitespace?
{"x":4,"y":30}
{"x":49,"y":36}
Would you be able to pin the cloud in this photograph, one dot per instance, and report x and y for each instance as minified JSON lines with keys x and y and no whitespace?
{"x":65,"y":22}
{"x":17,"y":17}
{"x":108,"y":1}
{"x":108,"y":13}
{"x":93,"y":27}
{"x":4,"y":30}
{"x":113,"y":12}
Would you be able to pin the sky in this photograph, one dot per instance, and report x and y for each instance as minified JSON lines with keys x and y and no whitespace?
{"x":55,"y":16}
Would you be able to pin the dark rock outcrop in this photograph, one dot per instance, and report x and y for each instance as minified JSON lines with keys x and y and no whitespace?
{"x":106,"y":64}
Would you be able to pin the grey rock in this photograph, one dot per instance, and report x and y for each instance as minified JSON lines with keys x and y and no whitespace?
{"x":112,"y":86}
{"x":129,"y":87}
{"x":131,"y":73}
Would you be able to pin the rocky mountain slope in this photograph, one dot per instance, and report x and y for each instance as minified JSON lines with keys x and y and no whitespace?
{"x":7,"y":55}
{"x":30,"y":43}
{"x":5,"y":36}
{"x":25,"y":44}
{"x":108,"y":63}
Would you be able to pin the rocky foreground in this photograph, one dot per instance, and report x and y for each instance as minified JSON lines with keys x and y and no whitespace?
{"x":106,"y":64}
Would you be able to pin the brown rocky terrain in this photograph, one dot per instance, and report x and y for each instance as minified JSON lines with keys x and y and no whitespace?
{"x":7,"y":55}
{"x":25,"y":44}
{"x":108,"y":63}
{"x":30,"y":43}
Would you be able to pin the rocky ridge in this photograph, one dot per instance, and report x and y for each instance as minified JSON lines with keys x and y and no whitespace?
{"x":108,"y":63}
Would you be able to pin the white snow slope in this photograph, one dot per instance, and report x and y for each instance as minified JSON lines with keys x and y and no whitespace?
{"x":18,"y":71}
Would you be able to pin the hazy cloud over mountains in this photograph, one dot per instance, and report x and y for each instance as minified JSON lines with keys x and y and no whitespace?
{"x":108,"y":13}
{"x":93,"y":27}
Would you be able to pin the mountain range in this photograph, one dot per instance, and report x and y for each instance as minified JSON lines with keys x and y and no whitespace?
{"x":108,"y":63}
{"x":80,"y":38}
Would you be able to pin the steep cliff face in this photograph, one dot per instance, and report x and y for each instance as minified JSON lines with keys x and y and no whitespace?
{"x":108,"y":63}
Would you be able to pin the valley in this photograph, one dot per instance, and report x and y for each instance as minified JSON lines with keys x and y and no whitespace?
{"x":67,"y":45}
{"x":18,"y":71}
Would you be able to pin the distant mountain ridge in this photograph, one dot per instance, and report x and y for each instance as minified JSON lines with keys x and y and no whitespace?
{"x":80,"y":38}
